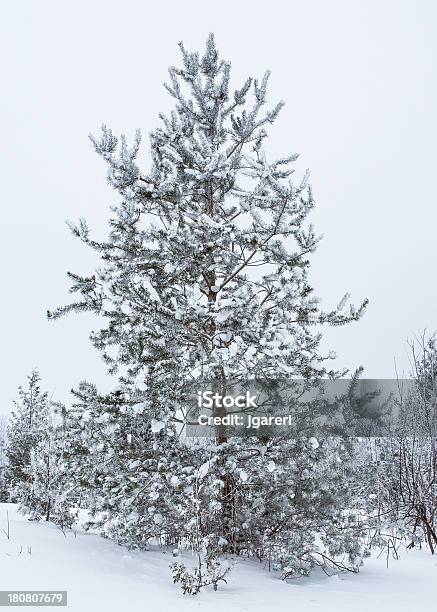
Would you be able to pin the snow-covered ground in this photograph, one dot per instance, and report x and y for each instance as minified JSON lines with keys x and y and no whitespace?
{"x":103,"y":577}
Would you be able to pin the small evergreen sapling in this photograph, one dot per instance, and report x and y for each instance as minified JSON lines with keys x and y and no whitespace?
{"x":26,"y":427}
{"x":46,"y":496}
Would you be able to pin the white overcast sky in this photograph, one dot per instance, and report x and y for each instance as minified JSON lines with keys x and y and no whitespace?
{"x":359,"y":82}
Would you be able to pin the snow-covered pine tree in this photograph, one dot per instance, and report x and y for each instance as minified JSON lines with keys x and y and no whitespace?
{"x":26,"y":427}
{"x":204,"y":275}
{"x":46,"y":495}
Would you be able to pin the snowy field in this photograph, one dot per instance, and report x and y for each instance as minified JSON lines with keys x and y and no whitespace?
{"x":101,"y":576}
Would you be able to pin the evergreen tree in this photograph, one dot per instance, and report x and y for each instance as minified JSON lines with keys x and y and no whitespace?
{"x":46,"y":493}
{"x":27,"y":425}
{"x":204,"y":276}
